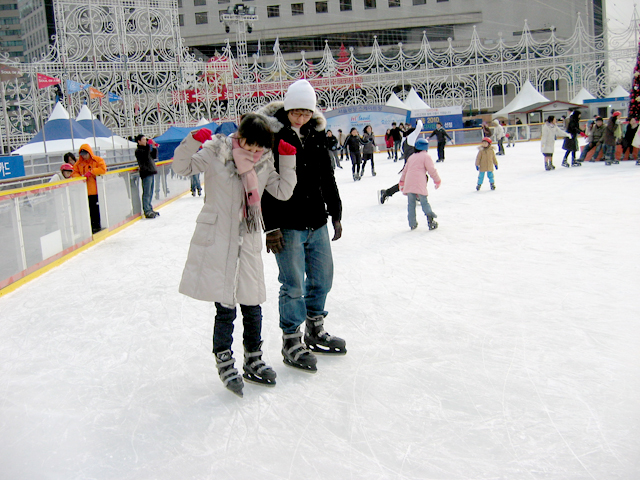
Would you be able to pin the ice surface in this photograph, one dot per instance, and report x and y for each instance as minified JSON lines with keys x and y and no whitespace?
{"x":503,"y":345}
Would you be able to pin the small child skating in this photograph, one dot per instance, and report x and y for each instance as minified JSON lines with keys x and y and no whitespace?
{"x":224,"y":264}
{"x":485,"y":161}
{"x":413,"y":183}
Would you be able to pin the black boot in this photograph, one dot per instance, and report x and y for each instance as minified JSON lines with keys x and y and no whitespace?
{"x":228,"y":374}
{"x":295,"y":354}
{"x":255,"y":370}
{"x":320,"y":341}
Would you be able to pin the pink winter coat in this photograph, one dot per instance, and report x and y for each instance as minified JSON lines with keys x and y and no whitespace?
{"x":414,"y":175}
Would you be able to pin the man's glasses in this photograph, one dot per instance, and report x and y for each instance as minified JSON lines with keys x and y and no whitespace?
{"x":301,"y":113}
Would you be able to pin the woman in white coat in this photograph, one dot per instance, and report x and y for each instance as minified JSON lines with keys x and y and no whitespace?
{"x":548,"y":140}
{"x":224,"y":264}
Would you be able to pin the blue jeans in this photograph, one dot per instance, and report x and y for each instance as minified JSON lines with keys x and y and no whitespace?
{"x":481,"y":177}
{"x":397,"y":147}
{"x":147,"y":194}
{"x":609,"y":153}
{"x":424,"y":203}
{"x":587,"y":148}
{"x":306,"y":276}
{"x":195,"y":183}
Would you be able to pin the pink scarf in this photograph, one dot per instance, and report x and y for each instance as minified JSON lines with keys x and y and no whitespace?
{"x":245,"y":162}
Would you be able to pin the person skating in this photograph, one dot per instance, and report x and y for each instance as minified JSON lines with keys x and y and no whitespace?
{"x":224,"y":264}
{"x":368,"y":148}
{"x":570,"y":144}
{"x":609,"y":139}
{"x":297,"y":230}
{"x":548,"y":140}
{"x":409,"y":149}
{"x":627,"y":140}
{"x":596,"y":135}
{"x":396,"y":134}
{"x":332,"y":148}
{"x":388,"y":141}
{"x":146,"y":154}
{"x":498,"y":134}
{"x":353,"y":144}
{"x":413,"y":183}
{"x":485,"y":162}
{"x":441,"y":136}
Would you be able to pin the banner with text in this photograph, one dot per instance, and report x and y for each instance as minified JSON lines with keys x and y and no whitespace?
{"x":449,"y":117}
{"x":380,"y":117}
{"x":11,"y":167}
{"x":45,"y":81}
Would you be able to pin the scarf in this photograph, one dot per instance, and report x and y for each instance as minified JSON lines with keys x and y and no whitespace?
{"x":245,"y":162}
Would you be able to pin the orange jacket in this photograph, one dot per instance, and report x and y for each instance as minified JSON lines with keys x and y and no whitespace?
{"x":95,"y":165}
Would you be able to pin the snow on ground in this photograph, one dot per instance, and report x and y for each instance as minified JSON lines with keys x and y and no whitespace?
{"x":503,"y":345}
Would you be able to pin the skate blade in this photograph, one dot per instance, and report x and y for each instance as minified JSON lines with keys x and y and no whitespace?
{"x":309,"y":368}
{"x":322,"y":350}
{"x":238,"y":393}
{"x":259,"y":381}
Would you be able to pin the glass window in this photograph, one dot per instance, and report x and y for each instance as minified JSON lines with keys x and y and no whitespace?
{"x":500,"y":90}
{"x":297,"y":9}
{"x":198,"y":3}
{"x":321,"y":7}
{"x":181,"y":20}
{"x":369,"y":4}
{"x":550,"y":85}
{"x":345,"y":5}
{"x":273,"y":11}
{"x":223,"y":1}
{"x":201,"y":18}
{"x":394,"y":3}
{"x":438,"y":1}
{"x":179,"y":3}
{"x":419,"y":2}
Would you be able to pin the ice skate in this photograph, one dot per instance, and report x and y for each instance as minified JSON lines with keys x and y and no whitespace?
{"x":228,"y":374}
{"x":565,"y":163}
{"x":546,"y":166}
{"x":551,"y":166}
{"x":382,"y":196}
{"x":295,"y":354}
{"x":256,"y":371}
{"x":432,"y":223}
{"x":638,"y":162}
{"x":478,"y":187}
{"x":575,"y":163}
{"x":320,"y":341}
{"x":493,"y":186}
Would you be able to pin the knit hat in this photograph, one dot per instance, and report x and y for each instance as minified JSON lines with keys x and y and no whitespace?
{"x":66,"y":166}
{"x":487,"y":139}
{"x":616,"y":114}
{"x":421,"y":144}
{"x":301,"y":95}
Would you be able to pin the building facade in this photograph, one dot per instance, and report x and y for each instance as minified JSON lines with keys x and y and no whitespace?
{"x":10,"y":30}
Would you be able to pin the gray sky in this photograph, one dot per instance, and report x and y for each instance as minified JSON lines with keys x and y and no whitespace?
{"x":619,"y":13}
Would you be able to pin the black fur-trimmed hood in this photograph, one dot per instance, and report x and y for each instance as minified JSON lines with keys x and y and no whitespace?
{"x":277,"y":117}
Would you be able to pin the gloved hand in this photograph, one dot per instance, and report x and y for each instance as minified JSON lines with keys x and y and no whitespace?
{"x":438,"y":184}
{"x":88,"y":174}
{"x":477,"y":168}
{"x":153,"y":143}
{"x":202,"y":135}
{"x":337,"y":229}
{"x":496,"y":167}
{"x":275,"y":241}
{"x":285,"y":148}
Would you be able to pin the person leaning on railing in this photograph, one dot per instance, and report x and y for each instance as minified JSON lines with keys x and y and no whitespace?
{"x":88,"y":166}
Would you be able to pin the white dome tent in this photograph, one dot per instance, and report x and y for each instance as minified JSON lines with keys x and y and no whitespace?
{"x":394,"y":101}
{"x":527,"y":96}
{"x":581,"y":96}
{"x":414,"y":102}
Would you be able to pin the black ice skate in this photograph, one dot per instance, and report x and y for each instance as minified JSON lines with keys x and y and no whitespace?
{"x":228,"y":374}
{"x":382,"y":196}
{"x":565,"y":163}
{"x":575,"y":163}
{"x":320,"y":341}
{"x":256,"y":371}
{"x":493,"y":186}
{"x":478,"y":187}
{"x":295,"y":354}
{"x":432,"y":223}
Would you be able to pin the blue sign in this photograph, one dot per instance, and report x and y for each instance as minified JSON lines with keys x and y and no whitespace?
{"x":449,"y":117}
{"x":11,"y":167}
{"x":380,"y":117}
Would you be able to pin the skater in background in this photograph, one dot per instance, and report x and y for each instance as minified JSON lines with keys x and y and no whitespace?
{"x":485,"y":161}
{"x":396,"y":134}
{"x":610,"y":139}
{"x":413,"y":183}
{"x":297,"y":231}
{"x":548,"y":140}
{"x":570,"y":144}
{"x":388,"y":141}
{"x":441,"y":135}
{"x":368,"y":147}
{"x":146,"y":154}
{"x":486,"y":131}
{"x":70,"y":158}
{"x":332,"y":148}
{"x":409,"y":149}
{"x":341,"y":139}
{"x":498,"y":134}
{"x":64,"y":173}
{"x":510,"y":135}
{"x":627,"y":140}
{"x":353,"y":144}
{"x":224,"y":264}
{"x":594,"y":140}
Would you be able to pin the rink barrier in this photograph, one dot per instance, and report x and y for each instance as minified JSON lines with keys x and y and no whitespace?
{"x":44,"y":225}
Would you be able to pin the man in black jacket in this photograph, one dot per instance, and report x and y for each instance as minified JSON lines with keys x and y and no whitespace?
{"x":396,"y":134}
{"x":297,"y":228}
{"x":440,"y":134}
{"x":146,"y":154}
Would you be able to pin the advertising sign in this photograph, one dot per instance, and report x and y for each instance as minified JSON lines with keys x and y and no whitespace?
{"x":449,"y":117}
{"x":11,"y":167}
{"x":380,"y":117}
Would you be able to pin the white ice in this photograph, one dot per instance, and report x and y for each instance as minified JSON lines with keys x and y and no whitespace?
{"x":503,"y":345}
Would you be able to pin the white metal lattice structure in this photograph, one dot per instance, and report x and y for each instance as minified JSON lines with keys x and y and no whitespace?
{"x":133,"y":49}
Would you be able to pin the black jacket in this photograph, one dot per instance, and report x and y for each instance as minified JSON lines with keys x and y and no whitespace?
{"x":146,"y":156}
{"x":332,"y":143}
{"x":396,"y":133}
{"x":316,"y":193}
{"x":440,"y":133}
{"x":353,"y":143}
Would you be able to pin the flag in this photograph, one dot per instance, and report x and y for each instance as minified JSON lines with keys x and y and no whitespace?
{"x":95,"y":93}
{"x":114,"y":98}
{"x":45,"y":81}
{"x":74,"y":87}
{"x":8,"y":72}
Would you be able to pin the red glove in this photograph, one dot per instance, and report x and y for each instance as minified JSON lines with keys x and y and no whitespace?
{"x":88,"y":174}
{"x":438,"y":185}
{"x":152,"y":143}
{"x":582,"y":134}
{"x":285,"y":148}
{"x":202,"y":135}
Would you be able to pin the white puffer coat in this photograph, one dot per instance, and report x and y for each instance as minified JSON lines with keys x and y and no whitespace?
{"x":548,"y":139}
{"x":225,"y":263}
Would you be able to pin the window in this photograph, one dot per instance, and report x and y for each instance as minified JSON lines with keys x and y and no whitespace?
{"x":223,"y":1}
{"x":438,"y":1}
{"x":321,"y":7}
{"x":345,"y":5}
{"x":273,"y":11}
{"x":499,"y":90}
{"x":550,"y":86}
{"x":179,"y":3}
{"x":369,"y":4}
{"x":222,"y":12}
{"x":201,"y":18}
{"x":419,"y":2}
{"x":181,"y":20}
{"x":297,"y":9}
{"x":199,"y":3}
{"x":394,"y":3}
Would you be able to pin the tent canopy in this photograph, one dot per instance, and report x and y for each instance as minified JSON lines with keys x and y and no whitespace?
{"x":414,"y":102}
{"x":89,"y":121}
{"x":170,"y":139}
{"x":618,"y":92}
{"x":394,"y":101}
{"x":581,"y":96}
{"x":526,"y":97}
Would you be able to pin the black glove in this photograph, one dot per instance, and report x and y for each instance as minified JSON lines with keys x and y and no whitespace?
{"x":275,"y":241}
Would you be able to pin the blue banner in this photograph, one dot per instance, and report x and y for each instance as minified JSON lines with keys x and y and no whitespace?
{"x":75,"y":87}
{"x":449,"y":117}
{"x":11,"y":167}
{"x":114,"y":98}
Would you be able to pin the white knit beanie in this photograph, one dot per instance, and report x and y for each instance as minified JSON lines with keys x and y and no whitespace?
{"x":300,"y":94}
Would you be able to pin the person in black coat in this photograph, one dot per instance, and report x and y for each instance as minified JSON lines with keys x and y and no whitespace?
{"x":297,"y":230}
{"x":441,"y":135}
{"x":570,"y":145}
{"x":352,"y":144}
{"x":146,"y":153}
{"x":332,"y":148}
{"x":396,"y":134}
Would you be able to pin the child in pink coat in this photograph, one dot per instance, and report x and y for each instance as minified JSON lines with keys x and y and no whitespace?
{"x":413,"y":183}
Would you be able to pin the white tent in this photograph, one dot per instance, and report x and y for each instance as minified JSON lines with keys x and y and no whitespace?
{"x":618,"y":92}
{"x":414,"y":102}
{"x":527,"y":95}
{"x":203,"y":121}
{"x":394,"y":101}
{"x":105,"y":138}
{"x":581,"y":96}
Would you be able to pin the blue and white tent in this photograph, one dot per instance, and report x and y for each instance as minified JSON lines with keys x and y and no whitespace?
{"x":104,"y":136}
{"x":170,"y":139}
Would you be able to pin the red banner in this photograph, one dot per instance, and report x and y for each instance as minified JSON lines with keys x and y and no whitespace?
{"x":45,"y":81}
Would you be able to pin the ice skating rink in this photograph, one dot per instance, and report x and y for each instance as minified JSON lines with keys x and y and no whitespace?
{"x":503,"y":345}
